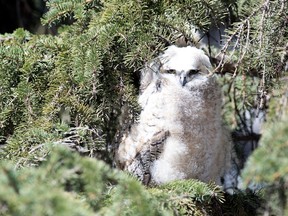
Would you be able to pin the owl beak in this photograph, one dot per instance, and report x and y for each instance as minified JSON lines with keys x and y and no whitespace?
{"x":183,"y":80}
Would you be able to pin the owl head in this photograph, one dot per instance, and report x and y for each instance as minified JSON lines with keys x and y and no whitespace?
{"x":186,"y":63}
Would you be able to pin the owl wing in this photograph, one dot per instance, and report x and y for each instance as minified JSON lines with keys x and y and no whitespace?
{"x":156,"y":144}
{"x":150,"y":151}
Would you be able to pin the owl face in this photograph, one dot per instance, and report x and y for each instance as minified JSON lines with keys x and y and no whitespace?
{"x":184,"y":76}
{"x":186,"y":63}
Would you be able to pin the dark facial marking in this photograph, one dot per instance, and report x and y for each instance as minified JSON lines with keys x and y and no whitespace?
{"x":193,"y":71}
{"x":171,"y":71}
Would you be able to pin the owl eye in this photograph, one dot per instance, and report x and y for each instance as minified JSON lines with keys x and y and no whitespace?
{"x":171,"y":71}
{"x":193,"y":71}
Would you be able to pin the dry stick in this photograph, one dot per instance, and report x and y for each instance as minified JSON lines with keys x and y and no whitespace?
{"x":224,"y":49}
{"x":245,"y":47}
{"x":262,"y":90}
{"x":240,"y":51}
{"x":247,"y":43}
{"x":261,"y":25}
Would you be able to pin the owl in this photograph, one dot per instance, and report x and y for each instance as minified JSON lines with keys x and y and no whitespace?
{"x":179,"y":134}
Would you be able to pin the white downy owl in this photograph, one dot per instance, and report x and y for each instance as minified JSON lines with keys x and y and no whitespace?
{"x":179,"y":134}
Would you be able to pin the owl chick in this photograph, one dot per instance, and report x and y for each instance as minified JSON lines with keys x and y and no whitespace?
{"x":179,"y":134}
{"x":180,"y":62}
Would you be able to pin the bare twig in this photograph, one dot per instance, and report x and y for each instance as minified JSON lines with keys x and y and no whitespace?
{"x":238,"y":30}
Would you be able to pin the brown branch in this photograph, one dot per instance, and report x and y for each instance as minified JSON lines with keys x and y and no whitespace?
{"x":237,"y":31}
{"x":250,"y":137}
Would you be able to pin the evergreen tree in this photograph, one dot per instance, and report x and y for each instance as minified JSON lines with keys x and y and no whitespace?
{"x":79,"y":89}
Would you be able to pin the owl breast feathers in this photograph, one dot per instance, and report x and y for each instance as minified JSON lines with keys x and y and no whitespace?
{"x":179,"y":134}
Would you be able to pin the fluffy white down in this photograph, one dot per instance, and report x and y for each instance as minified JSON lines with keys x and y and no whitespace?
{"x":198,"y":145}
{"x":184,"y":58}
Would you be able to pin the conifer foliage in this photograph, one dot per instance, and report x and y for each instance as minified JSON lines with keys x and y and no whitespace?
{"x":79,"y":89}
{"x":87,"y":74}
{"x":68,"y":184}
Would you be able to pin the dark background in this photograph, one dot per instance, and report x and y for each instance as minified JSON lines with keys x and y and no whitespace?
{"x":21,"y":14}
